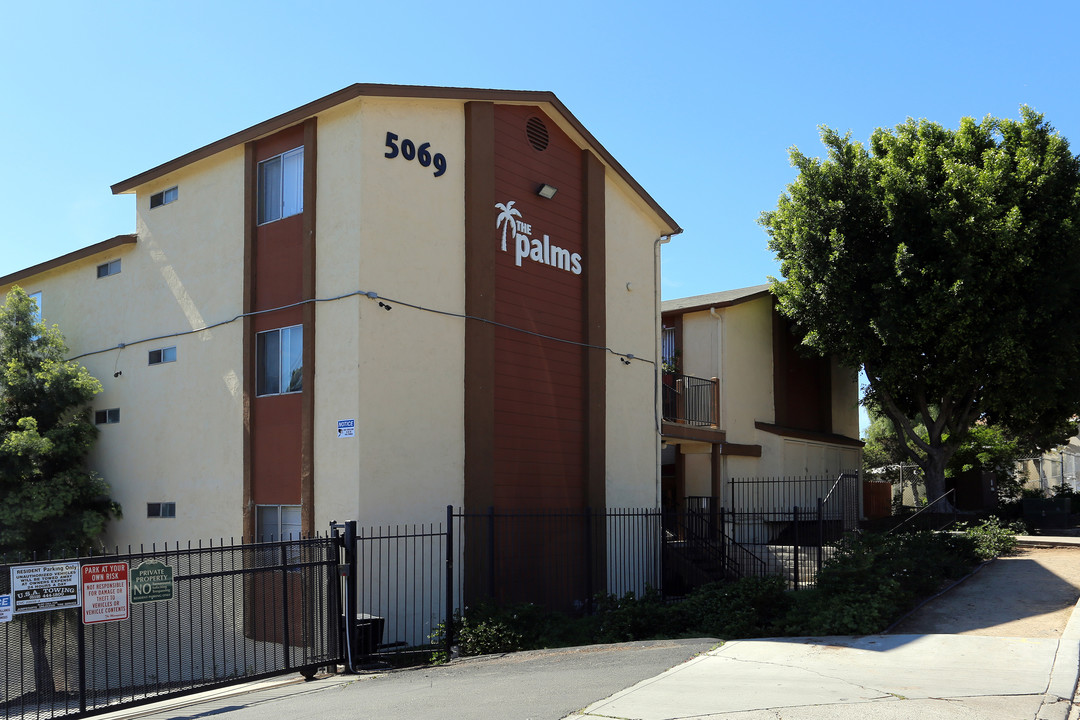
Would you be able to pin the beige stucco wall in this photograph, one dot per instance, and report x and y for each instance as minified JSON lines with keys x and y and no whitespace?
{"x":737,"y":347}
{"x":631,"y":436}
{"x":389,"y":226}
{"x":178,"y":439}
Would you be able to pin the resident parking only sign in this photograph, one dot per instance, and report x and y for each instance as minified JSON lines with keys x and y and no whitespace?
{"x":105,"y":592}
{"x":37,"y":588}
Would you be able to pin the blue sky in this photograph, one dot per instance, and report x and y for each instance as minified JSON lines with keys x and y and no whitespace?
{"x":700,"y":101}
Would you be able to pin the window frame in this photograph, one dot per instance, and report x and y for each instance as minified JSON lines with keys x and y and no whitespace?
{"x":107,"y":416}
{"x":262,"y":536}
{"x":284,"y":351}
{"x":287,"y":187}
{"x":163,"y":355}
{"x":166,"y":196}
{"x":110,"y":268}
{"x":161,"y":510}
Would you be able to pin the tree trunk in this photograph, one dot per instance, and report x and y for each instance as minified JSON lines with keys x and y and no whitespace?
{"x":934,"y":471}
{"x":43,"y":677}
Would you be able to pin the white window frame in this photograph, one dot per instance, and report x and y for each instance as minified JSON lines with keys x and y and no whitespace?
{"x":164,"y":355}
{"x":290,"y":374}
{"x":280,"y":186}
{"x":107,"y":269}
{"x":37,"y":297}
{"x":111,"y":416}
{"x":164,"y":197}
{"x":166,"y":510}
{"x":285,"y":523}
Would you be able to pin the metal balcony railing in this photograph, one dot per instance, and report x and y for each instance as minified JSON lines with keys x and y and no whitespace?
{"x":690,"y":400}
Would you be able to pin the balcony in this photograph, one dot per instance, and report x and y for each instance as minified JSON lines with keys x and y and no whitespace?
{"x":689,"y":400}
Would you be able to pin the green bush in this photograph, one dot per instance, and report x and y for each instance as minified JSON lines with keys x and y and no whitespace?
{"x":869,"y":583}
{"x":992,"y":538}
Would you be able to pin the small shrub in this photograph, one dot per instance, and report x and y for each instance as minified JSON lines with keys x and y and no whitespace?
{"x":748,"y":607}
{"x":992,"y":538}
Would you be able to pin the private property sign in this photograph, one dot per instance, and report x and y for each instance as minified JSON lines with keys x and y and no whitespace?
{"x":105,"y":592}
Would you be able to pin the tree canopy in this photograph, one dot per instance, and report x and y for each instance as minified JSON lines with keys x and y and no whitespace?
{"x":49,"y":501}
{"x":945,"y":263}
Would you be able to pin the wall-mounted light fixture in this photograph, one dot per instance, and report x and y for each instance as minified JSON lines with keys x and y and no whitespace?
{"x":547,"y":191}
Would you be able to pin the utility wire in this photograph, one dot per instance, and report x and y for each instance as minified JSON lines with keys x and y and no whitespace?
{"x":625,"y":357}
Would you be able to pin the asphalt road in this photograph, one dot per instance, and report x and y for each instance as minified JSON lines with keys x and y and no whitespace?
{"x":533,"y":685}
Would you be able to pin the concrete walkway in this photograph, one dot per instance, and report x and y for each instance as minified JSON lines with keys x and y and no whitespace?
{"x":1012,"y":651}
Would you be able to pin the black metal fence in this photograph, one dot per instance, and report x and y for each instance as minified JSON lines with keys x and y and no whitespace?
{"x":410,"y":579}
{"x":788,"y":525}
{"x":230,"y":614}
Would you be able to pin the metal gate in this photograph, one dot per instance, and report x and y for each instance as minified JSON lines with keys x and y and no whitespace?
{"x":230,"y":614}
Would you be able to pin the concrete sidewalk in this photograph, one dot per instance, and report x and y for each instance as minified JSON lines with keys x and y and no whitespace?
{"x":974,"y":673}
{"x":886,"y":677}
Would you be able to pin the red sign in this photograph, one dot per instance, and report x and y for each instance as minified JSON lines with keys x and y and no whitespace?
{"x":105,"y":592}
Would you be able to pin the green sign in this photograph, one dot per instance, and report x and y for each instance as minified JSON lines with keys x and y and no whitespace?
{"x":151,"y":582}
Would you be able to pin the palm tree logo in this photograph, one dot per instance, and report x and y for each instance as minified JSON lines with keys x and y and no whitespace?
{"x":506,"y":219}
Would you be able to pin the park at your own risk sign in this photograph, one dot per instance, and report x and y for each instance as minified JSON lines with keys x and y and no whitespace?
{"x":105,"y":592}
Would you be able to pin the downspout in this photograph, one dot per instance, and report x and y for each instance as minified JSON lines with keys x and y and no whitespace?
{"x":657,"y":366}
{"x":719,"y":366}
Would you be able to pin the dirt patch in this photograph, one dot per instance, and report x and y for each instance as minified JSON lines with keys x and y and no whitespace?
{"x":1030,"y":594}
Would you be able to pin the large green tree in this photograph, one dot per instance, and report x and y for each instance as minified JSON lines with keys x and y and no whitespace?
{"x":49,"y":500}
{"x":945,"y":263}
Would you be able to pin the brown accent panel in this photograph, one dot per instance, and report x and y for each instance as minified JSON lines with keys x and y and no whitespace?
{"x":678,"y":431}
{"x":307,"y":411}
{"x":801,"y":434}
{"x":80,"y":254}
{"x":479,"y":303}
{"x":740,"y":450}
{"x":541,"y":424}
{"x":279,"y":272}
{"x":716,"y":467}
{"x":278,"y":263}
{"x":276,"y":446}
{"x":802,"y":386}
{"x":288,"y":139}
{"x":595,"y":229}
{"x":248,"y":373}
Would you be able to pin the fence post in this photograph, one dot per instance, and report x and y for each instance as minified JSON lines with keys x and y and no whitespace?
{"x":448,"y":621}
{"x":723,"y":539}
{"x":82,"y":666}
{"x":588,"y":562}
{"x":821,"y":531}
{"x":491,"y":553}
{"x":795,"y":515}
{"x":286,"y":649}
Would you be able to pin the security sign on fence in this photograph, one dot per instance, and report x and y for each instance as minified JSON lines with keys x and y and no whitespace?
{"x":151,"y":582}
{"x":37,"y":588}
{"x":105,"y":592}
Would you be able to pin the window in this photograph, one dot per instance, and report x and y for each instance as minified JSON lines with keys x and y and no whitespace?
{"x":281,"y":186}
{"x":669,"y":355}
{"x":36,"y":297}
{"x":161,"y":509}
{"x":277,"y":522}
{"x":107,"y":417}
{"x":164,"y":197}
{"x":110,"y":268}
{"x":279,"y":358}
{"x":164,"y":355}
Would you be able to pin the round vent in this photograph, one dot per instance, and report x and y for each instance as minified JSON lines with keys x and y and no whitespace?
{"x":537,"y":133}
